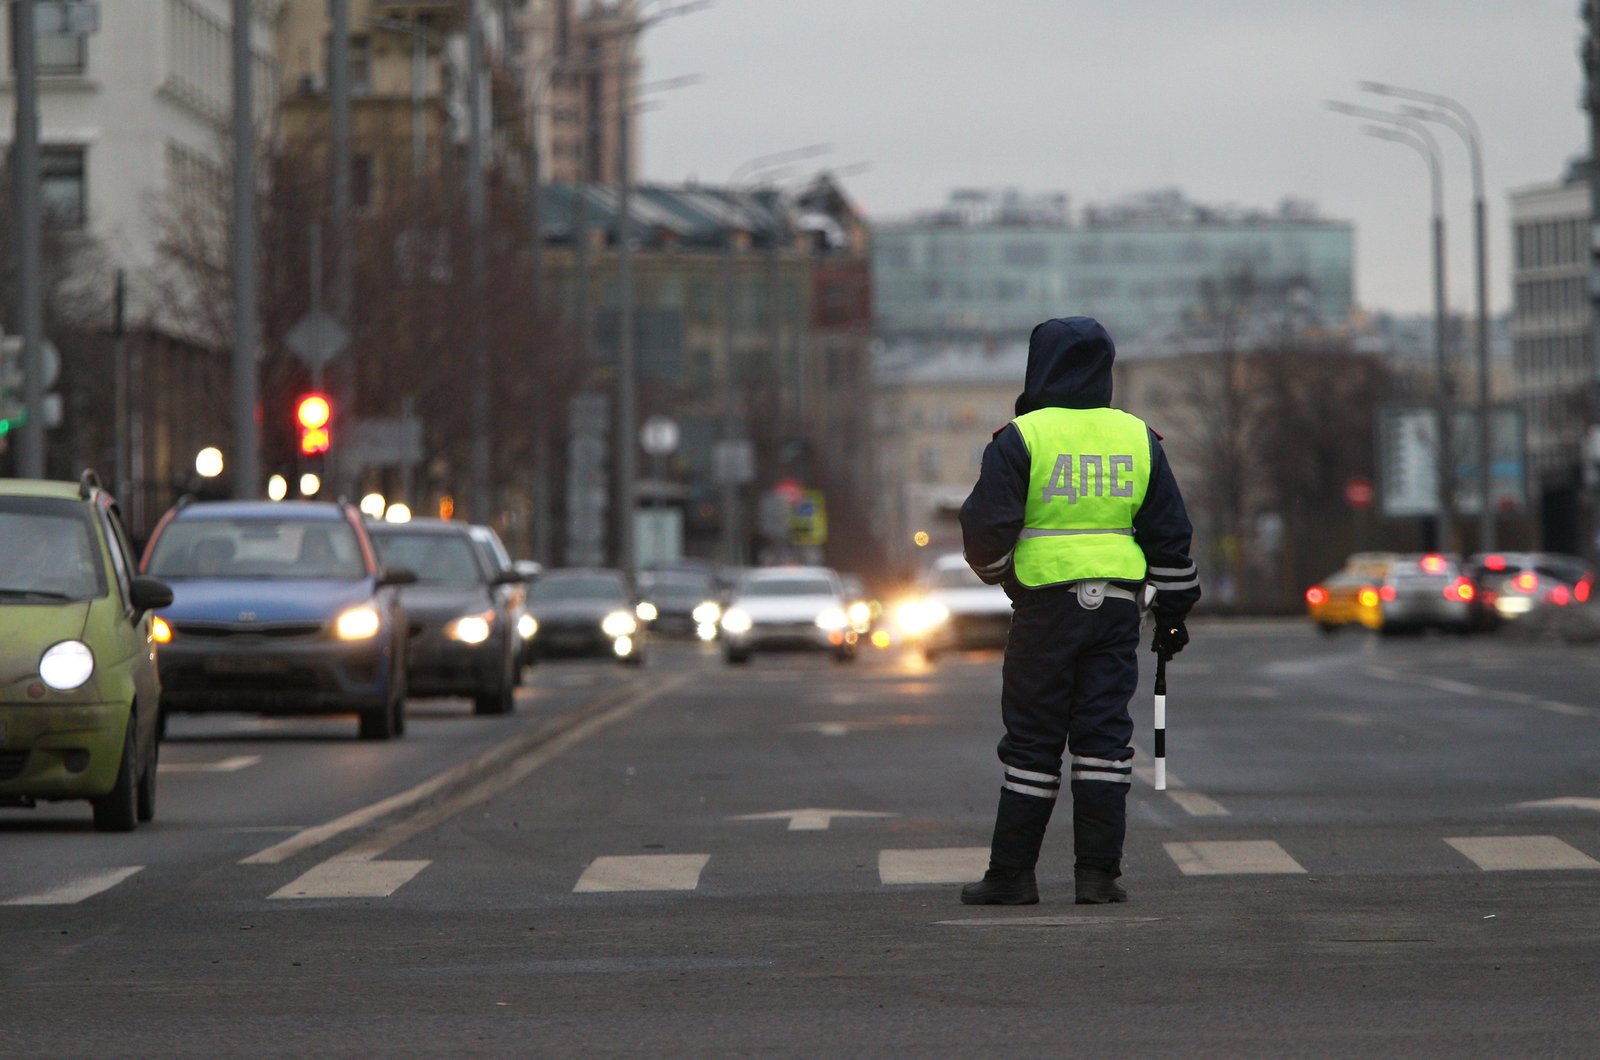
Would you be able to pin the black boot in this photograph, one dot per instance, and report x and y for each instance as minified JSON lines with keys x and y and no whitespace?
{"x":1002,"y":887}
{"x":1097,"y":886}
{"x":1019,"y":826}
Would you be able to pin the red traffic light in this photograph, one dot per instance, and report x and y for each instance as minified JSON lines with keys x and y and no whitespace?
{"x":313,"y":412}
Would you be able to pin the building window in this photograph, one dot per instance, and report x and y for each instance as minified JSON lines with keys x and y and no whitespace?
{"x":361,"y":181}
{"x":58,"y":55}
{"x":61,"y":186}
{"x":359,"y":65}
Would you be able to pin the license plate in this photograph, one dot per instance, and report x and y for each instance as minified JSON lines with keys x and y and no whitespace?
{"x":244,"y":665}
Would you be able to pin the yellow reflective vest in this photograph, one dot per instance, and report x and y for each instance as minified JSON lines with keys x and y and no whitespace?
{"x":1088,"y":472}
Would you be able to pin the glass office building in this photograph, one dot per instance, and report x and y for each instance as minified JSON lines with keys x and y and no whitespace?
{"x":1139,"y":270}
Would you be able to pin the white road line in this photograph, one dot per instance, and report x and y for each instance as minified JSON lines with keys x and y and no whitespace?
{"x":512,"y":750}
{"x":1247,"y":857}
{"x":642,"y":872}
{"x":946,"y":865}
{"x":227,"y":765}
{"x":351,"y":877}
{"x":75,"y":891}
{"x":1511,"y":853}
{"x":1191,"y":802}
{"x":1461,"y":688}
{"x":1196,"y":804}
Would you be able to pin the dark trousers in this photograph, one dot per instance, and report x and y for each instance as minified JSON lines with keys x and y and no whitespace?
{"x":1069,"y":674}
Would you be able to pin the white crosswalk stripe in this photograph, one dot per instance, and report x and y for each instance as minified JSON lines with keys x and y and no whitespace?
{"x":1229,"y":858}
{"x":946,"y":865}
{"x":1512,"y":853}
{"x":643,"y":872}
{"x":76,"y":890}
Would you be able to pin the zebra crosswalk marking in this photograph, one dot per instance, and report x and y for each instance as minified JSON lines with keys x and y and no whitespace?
{"x":1511,"y":853}
{"x":643,"y":872}
{"x":1228,"y":858}
{"x":76,"y":890}
{"x":939,"y":865}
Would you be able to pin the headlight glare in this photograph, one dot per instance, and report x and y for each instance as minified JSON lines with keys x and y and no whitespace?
{"x":832,"y":619}
{"x":707,"y":613}
{"x":471,"y":629}
{"x":646,"y":611}
{"x":737,"y":620}
{"x":357,"y":623}
{"x":67,"y":665}
{"x":619,"y":624}
{"x":160,"y":630}
{"x":527,"y":626}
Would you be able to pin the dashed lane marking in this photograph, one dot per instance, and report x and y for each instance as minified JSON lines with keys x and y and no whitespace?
{"x":352,"y":877}
{"x":226,"y":765}
{"x":946,"y":865}
{"x":1512,"y":853}
{"x":1047,"y":921}
{"x":74,"y":891}
{"x":1461,"y":688}
{"x":1232,"y":858}
{"x":1191,"y":802}
{"x":642,"y":872}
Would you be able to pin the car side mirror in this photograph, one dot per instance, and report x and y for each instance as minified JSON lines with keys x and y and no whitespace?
{"x":509,"y":577}
{"x":149,"y":594}
{"x":396,"y":576}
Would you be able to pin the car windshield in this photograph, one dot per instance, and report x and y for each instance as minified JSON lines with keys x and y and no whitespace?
{"x":51,"y":552}
{"x":786,"y":586}
{"x":953,"y":578}
{"x":438,"y":559}
{"x":320,"y":549}
{"x":676,"y":587}
{"x":577,"y":587}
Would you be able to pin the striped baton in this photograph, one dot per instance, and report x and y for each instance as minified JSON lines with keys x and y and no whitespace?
{"x":1161,"y":721}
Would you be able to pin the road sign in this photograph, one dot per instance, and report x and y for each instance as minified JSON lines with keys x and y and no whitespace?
{"x":11,"y":370}
{"x":659,"y":435}
{"x":733,"y":462}
{"x":808,"y":519}
{"x":390,"y":442}
{"x":317,"y":339}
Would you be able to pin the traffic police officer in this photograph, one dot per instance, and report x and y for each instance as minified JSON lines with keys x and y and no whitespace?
{"x":1077,"y":514}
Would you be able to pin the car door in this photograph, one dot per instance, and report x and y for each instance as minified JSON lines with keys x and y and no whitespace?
{"x":135,"y":646}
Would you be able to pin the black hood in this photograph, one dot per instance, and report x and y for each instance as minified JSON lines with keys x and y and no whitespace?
{"x":1069,"y":366}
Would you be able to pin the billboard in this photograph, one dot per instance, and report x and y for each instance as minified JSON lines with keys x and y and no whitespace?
{"x":1408,"y":460}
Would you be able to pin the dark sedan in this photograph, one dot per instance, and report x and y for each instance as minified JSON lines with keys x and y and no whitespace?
{"x":464,"y":639}
{"x":279,"y":609}
{"x":583,"y":611}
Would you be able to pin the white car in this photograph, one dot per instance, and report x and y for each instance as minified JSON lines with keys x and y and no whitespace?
{"x":788,"y":608}
{"x":955,"y":610}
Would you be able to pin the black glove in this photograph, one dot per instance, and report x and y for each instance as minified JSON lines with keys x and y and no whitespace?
{"x":1170,"y":637}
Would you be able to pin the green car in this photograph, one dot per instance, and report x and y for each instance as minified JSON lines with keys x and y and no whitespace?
{"x":79,"y":693}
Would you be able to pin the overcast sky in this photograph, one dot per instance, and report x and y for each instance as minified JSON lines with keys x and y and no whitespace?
{"x":1101,"y":98}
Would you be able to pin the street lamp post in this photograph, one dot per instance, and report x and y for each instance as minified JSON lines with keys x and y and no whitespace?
{"x":1446,"y":111}
{"x":1409,"y":131}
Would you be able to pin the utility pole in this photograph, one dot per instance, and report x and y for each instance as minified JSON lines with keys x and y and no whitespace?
{"x":343,"y":236}
{"x":1591,"y":63}
{"x":25,"y":183}
{"x":475,"y":221}
{"x":246,"y":437}
{"x":627,"y":396}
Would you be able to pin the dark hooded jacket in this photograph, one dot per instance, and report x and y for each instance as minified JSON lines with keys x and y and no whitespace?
{"x":1069,"y":366}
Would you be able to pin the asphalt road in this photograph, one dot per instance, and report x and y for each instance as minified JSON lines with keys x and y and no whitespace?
{"x":1359,"y":854}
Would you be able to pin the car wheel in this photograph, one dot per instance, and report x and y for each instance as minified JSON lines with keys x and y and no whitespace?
{"x":501,"y":700}
{"x":147,"y":784}
{"x":117,"y":810}
{"x":378,"y":723}
{"x":736,"y":657}
{"x":843,"y":655}
{"x":1327,"y":629}
{"x":161,"y":724}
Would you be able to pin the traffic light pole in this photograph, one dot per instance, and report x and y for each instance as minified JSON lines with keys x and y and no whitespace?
{"x":475,"y":220}
{"x":25,"y":182}
{"x":246,"y":432}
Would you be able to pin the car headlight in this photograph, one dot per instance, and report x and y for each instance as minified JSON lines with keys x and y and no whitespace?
{"x":67,"y":665}
{"x":737,"y":620}
{"x":646,"y":611}
{"x":357,"y":623}
{"x":918,"y":617}
{"x":860,"y":613}
{"x":619,"y":624}
{"x":527,"y":626}
{"x":471,"y":629}
{"x":832,"y":619}
{"x":160,"y":630}
{"x":707,"y":613}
